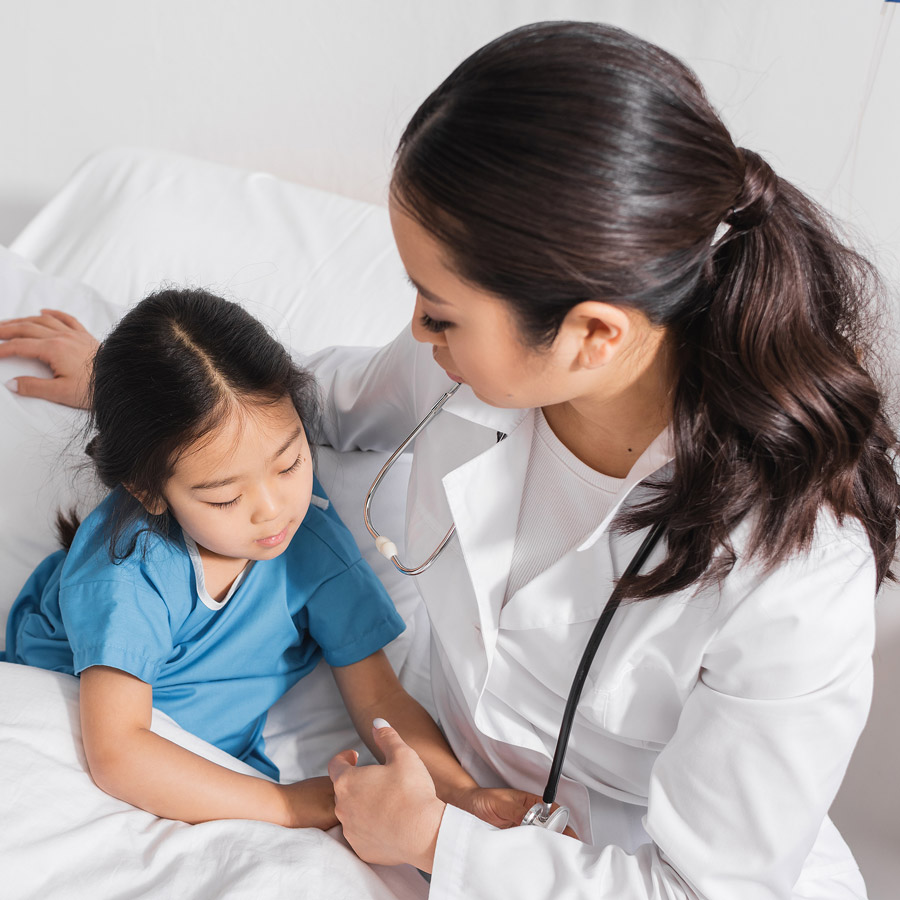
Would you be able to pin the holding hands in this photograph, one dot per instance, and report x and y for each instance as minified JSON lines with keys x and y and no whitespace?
{"x":391,"y":813}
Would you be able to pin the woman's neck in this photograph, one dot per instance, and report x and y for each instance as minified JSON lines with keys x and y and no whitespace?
{"x":608,"y":429}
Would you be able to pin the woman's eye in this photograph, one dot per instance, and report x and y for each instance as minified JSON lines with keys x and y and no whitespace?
{"x":226,"y":504}
{"x":293,"y":468}
{"x":433,"y":325}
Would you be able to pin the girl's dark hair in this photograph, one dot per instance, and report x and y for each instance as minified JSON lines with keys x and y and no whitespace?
{"x":166,"y":375}
{"x":572,"y":161}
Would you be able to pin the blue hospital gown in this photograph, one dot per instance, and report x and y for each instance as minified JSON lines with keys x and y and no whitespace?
{"x":214,"y":671}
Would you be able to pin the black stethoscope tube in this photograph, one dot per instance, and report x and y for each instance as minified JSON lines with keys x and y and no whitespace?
{"x":587,"y":658}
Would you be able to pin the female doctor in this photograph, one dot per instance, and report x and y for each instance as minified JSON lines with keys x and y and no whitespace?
{"x":649,"y":327}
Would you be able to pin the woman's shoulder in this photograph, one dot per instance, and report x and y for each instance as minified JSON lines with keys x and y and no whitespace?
{"x":786,"y":629}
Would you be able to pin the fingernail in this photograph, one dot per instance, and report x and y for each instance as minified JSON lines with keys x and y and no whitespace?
{"x":13,"y":385}
{"x":380,"y":723}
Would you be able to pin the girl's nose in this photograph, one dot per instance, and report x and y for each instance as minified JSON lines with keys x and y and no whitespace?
{"x":266,"y":506}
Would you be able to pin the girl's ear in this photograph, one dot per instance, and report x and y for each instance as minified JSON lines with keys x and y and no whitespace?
{"x":597,"y":330}
{"x":155,"y":508}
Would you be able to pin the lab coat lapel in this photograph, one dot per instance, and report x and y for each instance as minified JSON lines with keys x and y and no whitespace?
{"x":487,"y":530}
{"x":575,"y":588}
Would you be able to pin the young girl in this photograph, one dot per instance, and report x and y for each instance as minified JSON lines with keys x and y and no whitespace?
{"x":214,"y":575}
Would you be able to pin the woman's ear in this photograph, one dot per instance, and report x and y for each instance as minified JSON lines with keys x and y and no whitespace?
{"x":598,"y":331}
{"x":153,"y":507}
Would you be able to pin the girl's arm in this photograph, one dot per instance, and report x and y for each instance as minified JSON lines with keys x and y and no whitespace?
{"x":132,"y":763}
{"x":371,"y":690}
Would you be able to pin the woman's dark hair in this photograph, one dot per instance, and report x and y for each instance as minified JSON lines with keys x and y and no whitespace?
{"x":572,"y":161}
{"x":166,"y":375}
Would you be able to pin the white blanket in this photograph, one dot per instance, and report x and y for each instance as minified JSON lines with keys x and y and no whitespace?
{"x":64,"y":838}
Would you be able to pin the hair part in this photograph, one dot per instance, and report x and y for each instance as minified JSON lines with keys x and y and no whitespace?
{"x":571,"y":161}
{"x":174,"y":367}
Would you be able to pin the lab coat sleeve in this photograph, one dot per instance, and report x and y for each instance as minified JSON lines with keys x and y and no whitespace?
{"x":370,"y":395}
{"x":738,"y":796}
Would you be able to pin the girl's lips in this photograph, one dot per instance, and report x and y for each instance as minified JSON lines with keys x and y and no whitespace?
{"x":274,"y":540}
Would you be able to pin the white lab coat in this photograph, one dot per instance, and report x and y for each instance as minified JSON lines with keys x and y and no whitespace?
{"x":716,"y":725}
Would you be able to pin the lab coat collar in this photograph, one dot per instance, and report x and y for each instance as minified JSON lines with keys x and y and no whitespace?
{"x":487,"y":531}
{"x":658,"y":455}
{"x":466,"y":405}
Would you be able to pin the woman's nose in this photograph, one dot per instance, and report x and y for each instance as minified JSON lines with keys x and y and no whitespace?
{"x":421,"y":333}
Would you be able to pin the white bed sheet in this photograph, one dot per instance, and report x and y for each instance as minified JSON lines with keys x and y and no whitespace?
{"x":314,"y":266}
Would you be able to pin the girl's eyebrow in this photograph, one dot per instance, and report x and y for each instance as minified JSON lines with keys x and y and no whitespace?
{"x":221,"y":482}
{"x":424,"y":292}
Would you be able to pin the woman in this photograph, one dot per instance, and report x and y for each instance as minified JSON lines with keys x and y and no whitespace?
{"x":650,"y":327}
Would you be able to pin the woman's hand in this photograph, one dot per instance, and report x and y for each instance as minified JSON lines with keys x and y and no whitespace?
{"x":310,"y":803}
{"x":60,"y":341}
{"x":390,"y":813}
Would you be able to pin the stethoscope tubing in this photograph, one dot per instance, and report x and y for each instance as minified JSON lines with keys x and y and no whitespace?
{"x":385,"y":546}
{"x":540,"y":813}
{"x":587,"y":659}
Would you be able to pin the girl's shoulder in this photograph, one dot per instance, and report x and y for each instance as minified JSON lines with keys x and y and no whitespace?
{"x":323,"y":537}
{"x":91,"y":556}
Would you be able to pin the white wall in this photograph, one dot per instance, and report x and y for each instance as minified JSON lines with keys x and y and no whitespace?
{"x":318,"y":91}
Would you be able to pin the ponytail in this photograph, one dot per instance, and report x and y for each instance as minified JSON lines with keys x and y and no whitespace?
{"x":775,"y":416}
{"x":570,"y":161}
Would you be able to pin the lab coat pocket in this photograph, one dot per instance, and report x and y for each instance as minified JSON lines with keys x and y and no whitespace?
{"x":641,"y":703}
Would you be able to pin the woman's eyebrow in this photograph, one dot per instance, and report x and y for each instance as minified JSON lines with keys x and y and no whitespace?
{"x":221,"y":482}
{"x":424,"y":291}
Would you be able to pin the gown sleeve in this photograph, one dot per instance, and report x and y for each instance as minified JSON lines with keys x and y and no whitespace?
{"x":738,"y":797}
{"x":370,"y":396}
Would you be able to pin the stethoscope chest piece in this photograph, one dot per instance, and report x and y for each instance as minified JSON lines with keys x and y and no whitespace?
{"x":541,"y":816}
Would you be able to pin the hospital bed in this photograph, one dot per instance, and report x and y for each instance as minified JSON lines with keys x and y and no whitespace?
{"x":319,"y":269}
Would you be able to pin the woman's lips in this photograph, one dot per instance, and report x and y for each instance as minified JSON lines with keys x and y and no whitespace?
{"x":451,"y":375}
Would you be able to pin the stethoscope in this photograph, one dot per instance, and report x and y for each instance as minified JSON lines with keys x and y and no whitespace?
{"x":541,"y":814}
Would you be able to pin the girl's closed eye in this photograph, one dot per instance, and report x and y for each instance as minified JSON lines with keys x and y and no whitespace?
{"x":433,"y":325}
{"x":296,"y":465}
{"x":226,"y":504}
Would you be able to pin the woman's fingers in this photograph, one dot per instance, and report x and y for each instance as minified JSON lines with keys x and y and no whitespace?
{"x":27,"y":347}
{"x":60,"y":341}
{"x":66,"y":319}
{"x":390,"y":813}
{"x":56,"y":390}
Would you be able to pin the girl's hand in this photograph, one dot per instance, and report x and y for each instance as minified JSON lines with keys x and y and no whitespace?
{"x":502,"y":807}
{"x":310,"y":803}
{"x":60,"y":341}
{"x":390,"y":813}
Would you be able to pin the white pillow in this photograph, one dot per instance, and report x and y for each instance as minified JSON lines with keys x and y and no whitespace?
{"x":321,"y":269}
{"x":40,"y":446}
